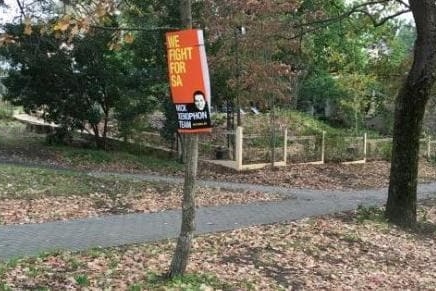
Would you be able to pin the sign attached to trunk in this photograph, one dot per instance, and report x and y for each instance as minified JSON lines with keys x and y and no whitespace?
{"x":189,"y":80}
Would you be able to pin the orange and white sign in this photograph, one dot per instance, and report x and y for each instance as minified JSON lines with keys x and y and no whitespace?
{"x":189,"y":80}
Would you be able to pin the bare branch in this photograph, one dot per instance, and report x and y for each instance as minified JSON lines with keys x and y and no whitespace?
{"x":115,"y":28}
{"x":383,"y":20}
{"x":357,"y":9}
{"x":20,"y":6}
{"x":322,"y":21}
{"x":403,"y":3}
{"x":299,"y":35}
{"x":369,"y":3}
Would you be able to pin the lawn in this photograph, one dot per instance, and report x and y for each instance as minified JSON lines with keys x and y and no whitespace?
{"x":353,"y":250}
{"x":19,"y":145}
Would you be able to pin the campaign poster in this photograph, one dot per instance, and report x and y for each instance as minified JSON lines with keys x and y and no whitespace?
{"x":189,"y":80}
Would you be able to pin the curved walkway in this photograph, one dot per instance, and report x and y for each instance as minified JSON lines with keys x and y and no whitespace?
{"x":114,"y":230}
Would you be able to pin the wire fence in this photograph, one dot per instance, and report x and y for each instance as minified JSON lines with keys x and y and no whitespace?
{"x":277,"y":146}
{"x":305,"y":149}
{"x":263,"y":148}
{"x":267,"y":145}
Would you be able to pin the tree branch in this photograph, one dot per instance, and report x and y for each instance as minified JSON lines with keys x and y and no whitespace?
{"x":20,"y":6}
{"x":114,"y":28}
{"x":357,"y":9}
{"x":384,"y":19}
{"x":403,"y":3}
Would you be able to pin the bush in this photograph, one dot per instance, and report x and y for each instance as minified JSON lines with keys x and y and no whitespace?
{"x":6,"y":111}
{"x":386,"y":151}
{"x":61,"y":136}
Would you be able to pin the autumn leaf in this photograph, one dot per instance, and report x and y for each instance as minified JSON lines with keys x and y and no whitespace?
{"x":100,"y":11}
{"x":63,"y":24}
{"x":84,"y":24}
{"x":27,"y":26}
{"x":27,"y":30}
{"x":6,"y":39}
{"x":74,"y":30}
{"x":114,"y":46}
{"x":128,"y":38}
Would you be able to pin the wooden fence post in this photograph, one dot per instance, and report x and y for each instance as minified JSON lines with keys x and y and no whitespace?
{"x":364,"y":146}
{"x":285,"y":146}
{"x":238,"y":147}
{"x":323,"y":147}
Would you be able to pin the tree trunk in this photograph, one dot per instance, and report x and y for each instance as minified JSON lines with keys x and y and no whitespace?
{"x":181,"y":254}
{"x":190,"y":155}
{"x":105,"y":126}
{"x":409,"y":111}
{"x":96,"y":135}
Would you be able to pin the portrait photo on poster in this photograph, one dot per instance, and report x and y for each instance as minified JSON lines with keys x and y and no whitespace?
{"x":199,"y":100}
{"x":194,"y":115}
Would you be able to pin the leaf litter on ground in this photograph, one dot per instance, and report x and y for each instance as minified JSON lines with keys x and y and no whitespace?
{"x":353,"y":250}
{"x":36,"y":196}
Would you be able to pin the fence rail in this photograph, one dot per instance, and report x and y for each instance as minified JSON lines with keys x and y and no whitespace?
{"x":312,"y":150}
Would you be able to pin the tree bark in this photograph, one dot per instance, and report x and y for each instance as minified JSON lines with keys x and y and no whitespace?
{"x":105,"y":127}
{"x":190,"y":156}
{"x":184,"y":242}
{"x":96,"y":134}
{"x":409,"y":111}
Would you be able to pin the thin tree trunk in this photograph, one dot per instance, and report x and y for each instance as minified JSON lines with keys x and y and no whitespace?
{"x":96,"y":134}
{"x":184,"y":242}
{"x":409,"y":112}
{"x":104,"y":134}
{"x":190,"y":150}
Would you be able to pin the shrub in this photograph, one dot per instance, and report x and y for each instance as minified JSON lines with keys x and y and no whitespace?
{"x":6,"y":111}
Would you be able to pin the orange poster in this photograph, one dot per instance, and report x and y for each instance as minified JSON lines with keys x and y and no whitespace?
{"x":189,"y":80}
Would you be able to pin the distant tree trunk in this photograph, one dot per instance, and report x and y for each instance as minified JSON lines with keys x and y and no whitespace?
{"x":105,"y":127}
{"x":96,"y":131}
{"x":190,"y":150}
{"x":409,"y":112}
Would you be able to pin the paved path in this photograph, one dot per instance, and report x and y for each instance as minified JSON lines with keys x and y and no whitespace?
{"x":79,"y":234}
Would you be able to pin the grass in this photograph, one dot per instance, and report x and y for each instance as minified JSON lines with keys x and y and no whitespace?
{"x":300,"y":124}
{"x":6,"y":110}
{"x":13,"y":134}
{"x":143,"y":160}
{"x":15,"y":140}
{"x":82,"y":280}
{"x":29,"y":183}
{"x":186,"y":282}
{"x":370,"y":213}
